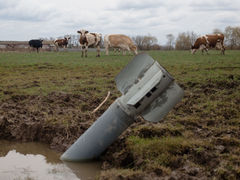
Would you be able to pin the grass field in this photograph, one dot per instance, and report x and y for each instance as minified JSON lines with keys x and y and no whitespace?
{"x":49,"y":72}
{"x":200,"y":137}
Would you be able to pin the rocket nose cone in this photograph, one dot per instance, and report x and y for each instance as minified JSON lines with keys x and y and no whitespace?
{"x":63,"y":157}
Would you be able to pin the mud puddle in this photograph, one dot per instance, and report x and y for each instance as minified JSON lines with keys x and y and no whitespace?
{"x":36,"y":161}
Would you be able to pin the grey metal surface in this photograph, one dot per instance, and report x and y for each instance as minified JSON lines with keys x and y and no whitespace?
{"x":141,"y":90}
{"x":148,"y":87}
{"x":100,"y":135}
{"x":163,"y":104}
{"x":133,"y":71}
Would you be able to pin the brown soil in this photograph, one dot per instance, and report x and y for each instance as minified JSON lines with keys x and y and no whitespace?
{"x":222,"y":137}
{"x":57,"y":119}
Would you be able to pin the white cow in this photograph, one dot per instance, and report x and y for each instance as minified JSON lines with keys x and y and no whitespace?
{"x":119,"y":41}
{"x":89,"y":40}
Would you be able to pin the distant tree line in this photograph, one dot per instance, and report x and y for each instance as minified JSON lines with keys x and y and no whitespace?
{"x":183,"y":41}
{"x":147,"y":42}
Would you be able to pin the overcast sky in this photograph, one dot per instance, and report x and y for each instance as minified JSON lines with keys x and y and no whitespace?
{"x":27,"y":19}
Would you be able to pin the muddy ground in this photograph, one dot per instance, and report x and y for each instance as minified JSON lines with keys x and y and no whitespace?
{"x":60,"y":118}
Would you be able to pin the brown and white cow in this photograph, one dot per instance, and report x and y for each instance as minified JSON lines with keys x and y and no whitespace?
{"x":209,"y":41}
{"x":89,"y":40}
{"x":61,"y":43}
{"x":119,"y":41}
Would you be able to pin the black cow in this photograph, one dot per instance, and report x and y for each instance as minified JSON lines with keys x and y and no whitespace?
{"x":36,"y":43}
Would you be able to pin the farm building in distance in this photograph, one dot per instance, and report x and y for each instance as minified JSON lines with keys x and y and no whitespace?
{"x":24,"y":46}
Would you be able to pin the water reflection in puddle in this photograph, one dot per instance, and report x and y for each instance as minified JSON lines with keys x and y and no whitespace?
{"x":36,"y":161}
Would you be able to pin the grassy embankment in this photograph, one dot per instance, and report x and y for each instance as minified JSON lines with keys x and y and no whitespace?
{"x":200,"y":137}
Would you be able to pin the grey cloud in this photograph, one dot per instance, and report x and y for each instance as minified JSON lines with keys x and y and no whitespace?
{"x":229,"y":20}
{"x":220,"y":5}
{"x":133,"y":17}
{"x":215,"y":8}
{"x":126,"y":5}
{"x":21,"y":17}
{"x":18,"y":11}
{"x":7,"y":4}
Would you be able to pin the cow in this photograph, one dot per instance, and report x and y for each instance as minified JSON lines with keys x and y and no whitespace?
{"x":117,"y":50}
{"x":89,"y":40}
{"x":61,"y":43}
{"x":36,"y":43}
{"x":119,"y":41}
{"x":209,"y":41}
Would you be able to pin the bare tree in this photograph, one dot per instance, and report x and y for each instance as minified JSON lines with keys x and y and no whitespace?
{"x":170,"y":41}
{"x":145,"y":42}
{"x":73,"y":41}
{"x":185,"y":40}
{"x":232,"y":35}
{"x":138,"y":41}
{"x":217,"y":31}
{"x":148,"y":41}
{"x":193,"y":37}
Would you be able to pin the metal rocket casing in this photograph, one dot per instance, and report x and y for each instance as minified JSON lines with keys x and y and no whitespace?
{"x":100,"y":135}
{"x":147,"y":90}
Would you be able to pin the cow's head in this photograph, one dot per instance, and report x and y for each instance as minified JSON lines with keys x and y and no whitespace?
{"x":134,"y":49}
{"x":67,"y":38}
{"x":83,"y":37}
{"x":82,"y":32}
{"x":193,"y":49}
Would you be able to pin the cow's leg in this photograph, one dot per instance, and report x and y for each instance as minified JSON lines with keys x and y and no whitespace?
{"x":193,"y":51}
{"x":128,"y":51}
{"x":119,"y":51}
{"x":86,"y":49}
{"x":116,"y":51}
{"x":223,"y":50}
{"x":56,"y":47}
{"x":219,"y":46}
{"x":203,"y":48}
{"x":98,"y":51}
{"x":207,"y":51}
{"x":37,"y":50}
{"x":83,"y":49}
{"x":107,"y":50}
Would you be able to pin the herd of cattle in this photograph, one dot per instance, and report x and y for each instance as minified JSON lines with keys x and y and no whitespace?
{"x":125,"y":43}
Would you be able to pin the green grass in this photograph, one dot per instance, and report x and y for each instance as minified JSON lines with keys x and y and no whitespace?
{"x":32,"y":73}
{"x":23,"y":73}
{"x":163,"y":150}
